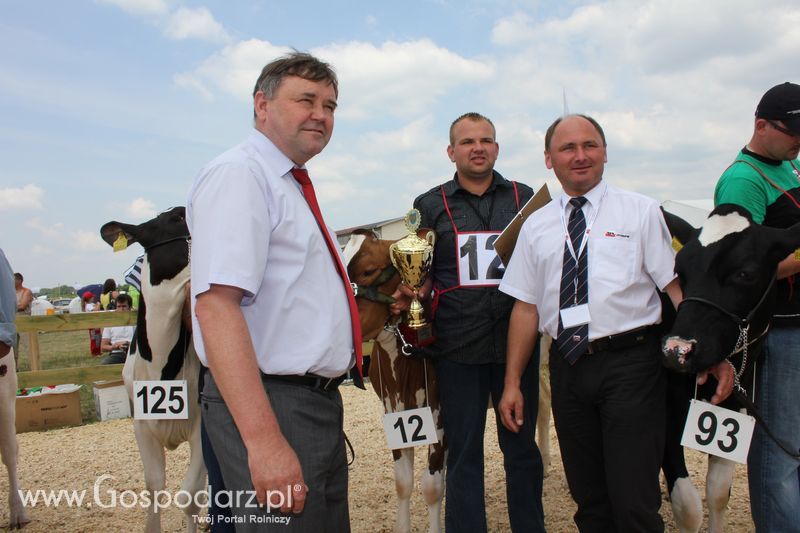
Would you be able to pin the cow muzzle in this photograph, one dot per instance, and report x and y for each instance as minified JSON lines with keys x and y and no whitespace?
{"x":677,"y":352}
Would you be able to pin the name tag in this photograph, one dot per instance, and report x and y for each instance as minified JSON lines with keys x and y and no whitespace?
{"x":406,"y":429}
{"x":718,"y":431}
{"x":478,"y":262}
{"x":576,"y":315}
{"x":158,"y":400}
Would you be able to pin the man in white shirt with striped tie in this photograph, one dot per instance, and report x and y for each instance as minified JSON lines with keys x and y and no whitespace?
{"x":586,"y":270}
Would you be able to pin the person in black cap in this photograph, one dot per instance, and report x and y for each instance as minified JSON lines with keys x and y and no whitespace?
{"x":765,"y":179}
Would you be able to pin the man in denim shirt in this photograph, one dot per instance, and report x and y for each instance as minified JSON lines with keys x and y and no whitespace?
{"x":471,"y":325}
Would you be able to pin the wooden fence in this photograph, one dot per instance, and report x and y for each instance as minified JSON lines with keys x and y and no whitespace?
{"x":32,"y":325}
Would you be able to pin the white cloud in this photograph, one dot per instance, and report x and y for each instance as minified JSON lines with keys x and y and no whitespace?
{"x":141,"y":209}
{"x":181,"y":24}
{"x":54,"y":230}
{"x":232,"y":70}
{"x":41,"y":251}
{"x":199,"y":23}
{"x":88,"y":241}
{"x":399,"y":78}
{"x":189,"y":81}
{"x":28,"y":197}
{"x":139,"y":7}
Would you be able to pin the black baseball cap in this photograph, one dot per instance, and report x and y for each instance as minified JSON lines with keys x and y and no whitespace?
{"x":782,"y":102}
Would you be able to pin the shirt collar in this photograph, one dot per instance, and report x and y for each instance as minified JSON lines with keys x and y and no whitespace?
{"x":593,"y":196}
{"x":452,"y":186}
{"x":763,"y":159}
{"x":277,"y":160}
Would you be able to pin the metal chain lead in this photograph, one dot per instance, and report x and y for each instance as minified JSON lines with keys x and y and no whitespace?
{"x":741,"y":344}
{"x":406,"y":348}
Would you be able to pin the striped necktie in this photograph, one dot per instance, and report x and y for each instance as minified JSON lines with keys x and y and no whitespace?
{"x":573,"y":342}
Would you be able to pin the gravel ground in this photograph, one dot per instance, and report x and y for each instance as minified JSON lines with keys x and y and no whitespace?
{"x":74,"y":458}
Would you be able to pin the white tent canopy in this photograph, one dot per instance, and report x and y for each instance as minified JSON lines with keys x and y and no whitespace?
{"x":694,"y":212}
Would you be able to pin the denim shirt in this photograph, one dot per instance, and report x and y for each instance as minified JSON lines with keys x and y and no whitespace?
{"x":470,"y":323}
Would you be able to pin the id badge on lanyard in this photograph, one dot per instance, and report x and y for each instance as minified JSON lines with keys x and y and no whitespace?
{"x":577,"y":314}
{"x":478,"y":262}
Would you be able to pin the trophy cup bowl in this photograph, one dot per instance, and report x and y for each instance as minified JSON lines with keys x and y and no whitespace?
{"x":412,"y":257}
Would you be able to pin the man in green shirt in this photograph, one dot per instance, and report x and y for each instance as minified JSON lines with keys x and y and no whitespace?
{"x":765,"y":179}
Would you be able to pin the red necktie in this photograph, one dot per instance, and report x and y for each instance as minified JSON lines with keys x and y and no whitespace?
{"x":301,"y":175}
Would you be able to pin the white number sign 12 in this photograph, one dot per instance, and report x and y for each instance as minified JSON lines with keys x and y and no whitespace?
{"x":406,"y":429}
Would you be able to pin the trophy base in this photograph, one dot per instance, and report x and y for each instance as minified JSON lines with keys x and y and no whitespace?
{"x":418,"y":335}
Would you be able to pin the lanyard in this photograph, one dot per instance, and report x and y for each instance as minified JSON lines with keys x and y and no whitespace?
{"x":589,"y":224}
{"x":484,"y":221}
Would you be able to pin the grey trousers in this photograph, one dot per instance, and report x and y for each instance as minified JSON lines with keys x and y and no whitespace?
{"x":312,"y":423}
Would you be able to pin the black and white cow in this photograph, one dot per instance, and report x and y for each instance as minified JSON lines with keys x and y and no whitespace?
{"x":727,"y":271}
{"x":162,"y":349}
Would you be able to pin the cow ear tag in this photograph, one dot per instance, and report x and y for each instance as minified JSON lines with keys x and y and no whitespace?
{"x":121,"y":243}
{"x":677,"y":245}
{"x":797,"y":255}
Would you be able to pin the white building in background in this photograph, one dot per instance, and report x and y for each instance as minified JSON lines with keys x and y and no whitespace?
{"x":390,"y":230}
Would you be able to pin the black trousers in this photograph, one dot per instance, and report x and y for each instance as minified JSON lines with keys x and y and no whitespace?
{"x":609,"y":412}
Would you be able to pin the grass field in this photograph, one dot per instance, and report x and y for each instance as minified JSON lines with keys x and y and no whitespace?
{"x":68,"y":349}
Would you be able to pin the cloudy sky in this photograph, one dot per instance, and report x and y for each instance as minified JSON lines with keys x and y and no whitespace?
{"x":110,"y":107}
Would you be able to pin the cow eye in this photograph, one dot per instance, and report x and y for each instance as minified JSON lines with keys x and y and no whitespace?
{"x":744,"y":275}
{"x":368,"y":273}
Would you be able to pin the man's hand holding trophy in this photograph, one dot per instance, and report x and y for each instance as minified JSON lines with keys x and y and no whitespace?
{"x":412,"y":256}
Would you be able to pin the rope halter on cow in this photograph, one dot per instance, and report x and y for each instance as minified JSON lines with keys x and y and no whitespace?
{"x":743,"y":343}
{"x":371,"y":292}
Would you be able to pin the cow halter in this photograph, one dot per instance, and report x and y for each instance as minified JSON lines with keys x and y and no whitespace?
{"x":371,"y":292}
{"x":187,"y":238}
{"x":743,"y":342}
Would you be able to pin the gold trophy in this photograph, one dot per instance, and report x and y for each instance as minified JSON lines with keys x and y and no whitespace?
{"x":412,"y":257}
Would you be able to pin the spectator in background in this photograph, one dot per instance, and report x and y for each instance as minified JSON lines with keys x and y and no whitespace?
{"x":132,"y":277}
{"x":24,"y":299}
{"x":89,"y":302}
{"x":108,"y":297}
{"x":24,"y":295}
{"x":117,"y":339}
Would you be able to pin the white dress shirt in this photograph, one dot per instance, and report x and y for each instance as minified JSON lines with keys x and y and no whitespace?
{"x":630,"y":254}
{"x":117,"y":334}
{"x":252,"y":229}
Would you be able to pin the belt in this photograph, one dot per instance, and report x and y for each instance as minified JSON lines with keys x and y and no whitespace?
{"x":309,"y":380}
{"x":626,"y":339}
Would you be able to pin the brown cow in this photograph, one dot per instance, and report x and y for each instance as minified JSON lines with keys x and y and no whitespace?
{"x":400,"y":381}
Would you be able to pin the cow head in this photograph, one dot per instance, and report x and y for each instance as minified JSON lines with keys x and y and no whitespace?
{"x":164,"y":239}
{"x":370,"y":268}
{"x":727,"y":273}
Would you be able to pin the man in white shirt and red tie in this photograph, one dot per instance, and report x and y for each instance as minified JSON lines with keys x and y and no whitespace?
{"x":272,"y":312}
{"x":585,"y":270}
